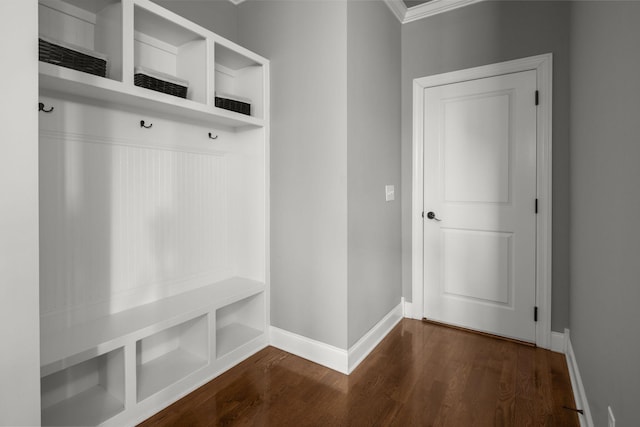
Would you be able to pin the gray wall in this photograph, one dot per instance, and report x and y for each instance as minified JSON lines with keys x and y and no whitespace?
{"x":486,"y":33}
{"x":219,"y":16}
{"x":605,"y":205}
{"x":19,"y":290}
{"x":306,"y":43}
{"x":335,"y":115}
{"x":373,"y":51}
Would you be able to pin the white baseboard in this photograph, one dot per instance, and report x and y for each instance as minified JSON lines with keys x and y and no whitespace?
{"x":407,"y":309}
{"x":335,"y":358}
{"x":361,"y":349}
{"x":558,"y":342}
{"x":579,"y":393}
{"x":316,"y":351}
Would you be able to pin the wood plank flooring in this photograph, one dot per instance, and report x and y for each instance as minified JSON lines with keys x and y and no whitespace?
{"x":421,"y":374}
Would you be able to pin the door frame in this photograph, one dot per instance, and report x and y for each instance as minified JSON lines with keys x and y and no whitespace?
{"x":543,"y":65}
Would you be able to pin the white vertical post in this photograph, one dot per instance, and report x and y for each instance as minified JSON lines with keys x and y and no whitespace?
{"x":19,"y":287}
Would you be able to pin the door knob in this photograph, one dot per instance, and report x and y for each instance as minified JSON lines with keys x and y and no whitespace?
{"x":432,"y":215}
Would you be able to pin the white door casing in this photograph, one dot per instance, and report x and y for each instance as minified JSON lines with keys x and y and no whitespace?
{"x":456,"y":239}
{"x":480,"y":179}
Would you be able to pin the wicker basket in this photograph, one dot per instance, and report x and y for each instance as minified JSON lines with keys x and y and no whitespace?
{"x":160,"y":82}
{"x":233,"y":105}
{"x":74,"y":57}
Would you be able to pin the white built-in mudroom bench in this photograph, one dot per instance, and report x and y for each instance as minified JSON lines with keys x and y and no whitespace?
{"x":154,"y":136}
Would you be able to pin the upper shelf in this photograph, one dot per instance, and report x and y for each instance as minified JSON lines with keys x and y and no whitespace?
{"x":139,"y":34}
{"x":57,"y":79}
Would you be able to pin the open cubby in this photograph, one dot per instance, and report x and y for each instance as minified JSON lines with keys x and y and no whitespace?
{"x":94,"y":25}
{"x":240,"y":78}
{"x":85,"y":394}
{"x":239,"y":323}
{"x":166,"y":47}
{"x":170,"y":355}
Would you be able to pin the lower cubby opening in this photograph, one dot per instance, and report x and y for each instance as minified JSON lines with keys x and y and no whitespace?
{"x":239,"y":323}
{"x":85,"y":394}
{"x":170,"y":355}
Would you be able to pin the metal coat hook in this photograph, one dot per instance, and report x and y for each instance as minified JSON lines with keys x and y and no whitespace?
{"x":41,"y":108}
{"x":145,"y":126}
{"x":212,"y":137}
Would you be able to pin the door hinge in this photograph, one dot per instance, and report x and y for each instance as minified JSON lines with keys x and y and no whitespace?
{"x":536,"y":206}
{"x":537,"y":97}
{"x":535,"y":314}
{"x":422,"y":214}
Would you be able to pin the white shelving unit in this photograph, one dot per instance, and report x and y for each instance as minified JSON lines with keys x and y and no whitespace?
{"x":171,"y":342}
{"x":115,"y":351}
{"x":140,"y":33}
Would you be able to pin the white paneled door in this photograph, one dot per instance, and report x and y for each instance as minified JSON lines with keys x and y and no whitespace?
{"x":479,"y":204}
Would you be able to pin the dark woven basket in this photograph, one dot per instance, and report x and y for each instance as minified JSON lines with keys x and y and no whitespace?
{"x":69,"y":58}
{"x":148,"y":82}
{"x":233,"y":105}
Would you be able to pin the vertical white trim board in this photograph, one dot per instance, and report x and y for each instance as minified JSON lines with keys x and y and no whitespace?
{"x":558,"y":342}
{"x":542,"y":64}
{"x":338,"y":359}
{"x":407,"y":309}
{"x":579,"y":394}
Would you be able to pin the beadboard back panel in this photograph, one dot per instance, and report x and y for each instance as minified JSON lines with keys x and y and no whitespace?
{"x":128,"y":218}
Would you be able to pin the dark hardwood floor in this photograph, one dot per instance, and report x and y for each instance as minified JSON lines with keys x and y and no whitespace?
{"x":421,"y":374}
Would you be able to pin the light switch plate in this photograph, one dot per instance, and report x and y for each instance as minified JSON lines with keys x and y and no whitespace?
{"x":389,"y":192}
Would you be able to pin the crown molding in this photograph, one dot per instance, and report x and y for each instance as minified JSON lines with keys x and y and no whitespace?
{"x":435,"y":7}
{"x":398,"y":8}
{"x":424,"y":10}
